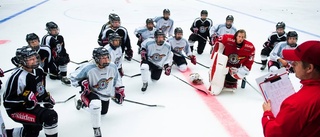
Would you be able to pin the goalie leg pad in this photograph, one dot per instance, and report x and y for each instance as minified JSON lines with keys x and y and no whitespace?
{"x":217,"y":73}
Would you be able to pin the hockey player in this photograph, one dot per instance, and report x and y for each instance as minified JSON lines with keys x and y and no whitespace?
{"x":115,"y":52}
{"x":99,"y":81}
{"x":60,"y":57}
{"x":240,"y":53}
{"x":44,"y":52}
{"x":145,"y":32}
{"x":155,"y":55}
{"x":165,"y":23}
{"x":273,"y":39}
{"x":178,"y":46}
{"x":114,"y":25}
{"x":24,"y":90}
{"x":221,"y":29}
{"x":276,"y":58}
{"x":200,"y":31}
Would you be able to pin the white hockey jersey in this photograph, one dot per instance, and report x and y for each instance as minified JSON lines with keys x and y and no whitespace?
{"x":145,"y":33}
{"x":221,"y":29}
{"x":179,"y":46}
{"x":276,"y":53}
{"x":158,"y":55}
{"x":102,"y":81}
{"x":115,"y":55}
{"x":165,"y":25}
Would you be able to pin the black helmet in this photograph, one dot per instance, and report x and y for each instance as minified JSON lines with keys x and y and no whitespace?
{"x":158,"y":33}
{"x":149,"y":20}
{"x":51,"y":25}
{"x":113,"y":17}
{"x":292,"y":34}
{"x":166,"y":11}
{"x":281,"y":25}
{"x":23,"y":53}
{"x":32,"y":36}
{"x":178,"y":30}
{"x":97,"y":53}
{"x":204,"y":12}
{"x":112,"y":37}
{"x":229,"y":17}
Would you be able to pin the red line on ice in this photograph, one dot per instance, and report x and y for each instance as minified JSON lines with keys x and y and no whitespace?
{"x":224,"y":117}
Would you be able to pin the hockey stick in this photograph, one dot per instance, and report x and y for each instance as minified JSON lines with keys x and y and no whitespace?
{"x":258,"y":62}
{"x":203,"y":37}
{"x":78,"y":63}
{"x":190,"y":84}
{"x":64,"y":101}
{"x":132,"y":75}
{"x":252,"y":86}
{"x":243,"y":83}
{"x":10,"y":70}
{"x":190,"y":59}
{"x":135,"y":102}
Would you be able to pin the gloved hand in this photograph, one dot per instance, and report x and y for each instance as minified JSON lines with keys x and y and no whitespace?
{"x":1,"y":73}
{"x":195,"y":30}
{"x":129,"y":54}
{"x":119,"y":95}
{"x":167,"y":69}
{"x":85,"y":89}
{"x":30,"y":100}
{"x":193,"y":59}
{"x":238,"y":73}
{"x":48,"y":101}
{"x":143,"y":54}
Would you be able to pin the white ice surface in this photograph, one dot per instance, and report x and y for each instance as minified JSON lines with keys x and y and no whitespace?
{"x":185,"y":112}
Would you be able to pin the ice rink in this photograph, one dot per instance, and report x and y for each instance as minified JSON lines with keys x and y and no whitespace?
{"x":187,"y":112}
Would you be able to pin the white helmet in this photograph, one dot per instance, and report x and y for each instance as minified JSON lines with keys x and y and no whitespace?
{"x":196,"y":79}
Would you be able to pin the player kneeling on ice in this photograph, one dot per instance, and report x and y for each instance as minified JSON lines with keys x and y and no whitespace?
{"x":233,"y":57}
{"x":115,"y":52}
{"x":99,"y":81}
{"x":155,"y":55}
{"x":24,"y":90}
{"x":276,"y":57}
{"x":179,"y":44}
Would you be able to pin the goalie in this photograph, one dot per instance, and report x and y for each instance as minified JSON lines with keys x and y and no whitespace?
{"x":233,"y":57}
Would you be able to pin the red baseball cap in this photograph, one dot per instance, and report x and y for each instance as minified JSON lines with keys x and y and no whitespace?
{"x":308,"y":51}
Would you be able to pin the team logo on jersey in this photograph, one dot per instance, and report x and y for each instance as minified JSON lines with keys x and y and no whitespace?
{"x":156,"y":57}
{"x":59,"y":48}
{"x":40,"y":88}
{"x":102,"y":83}
{"x":164,"y":28}
{"x":203,"y":29}
{"x":233,"y":59}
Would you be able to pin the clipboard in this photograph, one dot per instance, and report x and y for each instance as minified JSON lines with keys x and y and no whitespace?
{"x":276,"y":87}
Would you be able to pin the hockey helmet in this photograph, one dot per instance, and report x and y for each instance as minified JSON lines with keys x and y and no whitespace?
{"x":196,"y":79}
{"x":112,"y":37}
{"x":97,"y":53}
{"x":281,"y":25}
{"x":24,"y":53}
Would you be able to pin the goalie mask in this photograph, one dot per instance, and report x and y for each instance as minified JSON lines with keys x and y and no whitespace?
{"x":196,"y":79}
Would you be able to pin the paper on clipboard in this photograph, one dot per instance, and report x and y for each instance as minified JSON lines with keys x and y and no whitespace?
{"x":275,"y":87}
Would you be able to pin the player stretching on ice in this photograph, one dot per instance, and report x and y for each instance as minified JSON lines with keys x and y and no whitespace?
{"x":200,"y":31}
{"x":165,"y":23}
{"x":24,"y":90}
{"x":179,"y":44}
{"x":233,"y":57}
{"x":99,"y":81}
{"x":274,"y":38}
{"x":115,"y":52}
{"x":145,"y":32}
{"x":155,"y":55}
{"x":276,"y":57}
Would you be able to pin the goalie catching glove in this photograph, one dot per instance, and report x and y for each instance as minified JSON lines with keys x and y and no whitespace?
{"x":239,"y":73}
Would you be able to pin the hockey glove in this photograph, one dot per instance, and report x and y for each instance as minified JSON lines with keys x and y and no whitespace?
{"x":63,"y":59}
{"x":238,"y":73}
{"x":121,"y":72}
{"x":143,"y":54}
{"x":167,"y":69}
{"x":48,"y":101}
{"x":129,"y":54}
{"x":195,"y":30}
{"x":119,"y":95}
{"x":85,"y":89}
{"x":193,"y":59}
{"x":1,"y":73}
{"x":30,"y":100}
